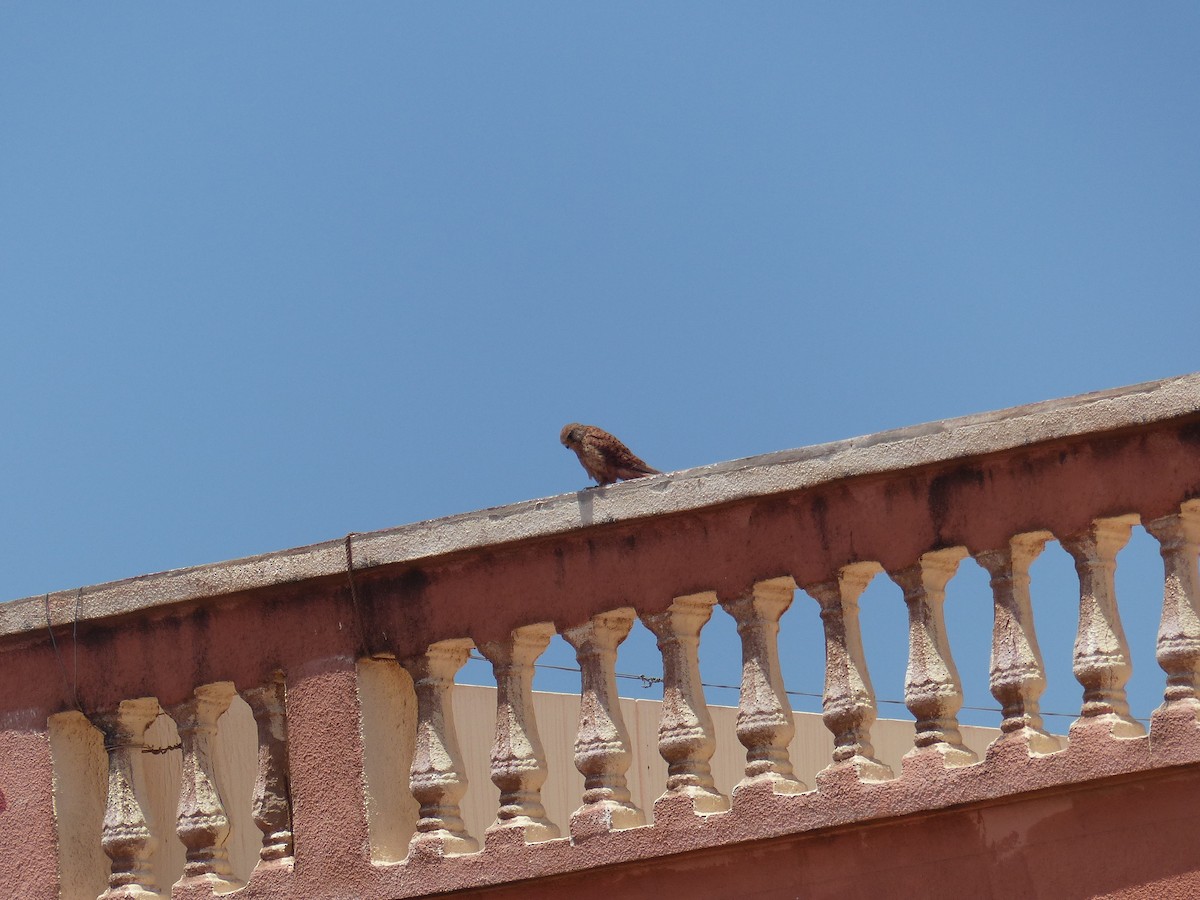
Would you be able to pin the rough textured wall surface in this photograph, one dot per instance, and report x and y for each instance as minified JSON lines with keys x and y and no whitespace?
{"x":28,"y":849}
{"x":801,"y":516}
{"x":1132,"y":839}
{"x":809,"y":534}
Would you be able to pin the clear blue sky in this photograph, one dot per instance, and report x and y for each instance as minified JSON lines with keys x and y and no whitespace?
{"x":276,"y":272}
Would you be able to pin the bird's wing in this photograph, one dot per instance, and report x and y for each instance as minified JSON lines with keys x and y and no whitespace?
{"x":618,"y":455}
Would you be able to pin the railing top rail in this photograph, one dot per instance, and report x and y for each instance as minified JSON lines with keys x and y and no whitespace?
{"x":675,"y":492}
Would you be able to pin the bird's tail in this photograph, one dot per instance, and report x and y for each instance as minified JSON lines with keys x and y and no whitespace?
{"x":638,"y":471}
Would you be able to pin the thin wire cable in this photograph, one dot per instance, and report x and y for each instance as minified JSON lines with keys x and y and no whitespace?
{"x":62,"y":666}
{"x":358,"y":617}
{"x":75,"y":648}
{"x":649,"y":681}
{"x":158,"y":751}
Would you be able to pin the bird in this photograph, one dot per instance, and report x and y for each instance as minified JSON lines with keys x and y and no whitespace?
{"x":602,"y":456}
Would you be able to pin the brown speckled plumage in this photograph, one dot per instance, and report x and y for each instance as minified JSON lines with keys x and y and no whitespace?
{"x":602,"y":456}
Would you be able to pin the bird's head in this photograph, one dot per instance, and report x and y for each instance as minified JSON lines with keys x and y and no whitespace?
{"x":571,"y":435}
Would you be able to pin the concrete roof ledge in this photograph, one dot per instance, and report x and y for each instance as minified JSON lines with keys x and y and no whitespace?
{"x":673,"y":492}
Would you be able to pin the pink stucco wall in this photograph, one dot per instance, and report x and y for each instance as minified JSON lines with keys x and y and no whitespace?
{"x":1107,"y":817}
{"x":1130,"y":839}
{"x":28,"y":862}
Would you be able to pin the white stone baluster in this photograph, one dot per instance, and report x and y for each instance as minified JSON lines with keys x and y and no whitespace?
{"x":849,"y":707}
{"x":685,"y":730}
{"x":932,"y":690}
{"x":202,"y":823}
{"x":1178,"y":650}
{"x":1018,"y":676}
{"x":764,"y":721}
{"x":272,"y":795}
{"x":1102,"y":663}
{"x":438,"y":781}
{"x":125,"y":835}
{"x":518,"y":759}
{"x":602,"y":752}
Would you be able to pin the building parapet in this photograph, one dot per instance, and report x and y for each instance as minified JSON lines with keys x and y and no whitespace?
{"x":344,"y":654}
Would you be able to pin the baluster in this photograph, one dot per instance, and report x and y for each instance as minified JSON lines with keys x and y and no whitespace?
{"x":932,"y":690}
{"x":602,"y":752}
{"x":1102,"y":663}
{"x":849,"y":707}
{"x":685,"y":730}
{"x":125,"y":836}
{"x":764,"y":721}
{"x":518,"y":759}
{"x":1018,"y":676}
{"x":202,"y":824}
{"x":438,"y":782}
{"x":1178,"y":651}
{"x":272,"y":793}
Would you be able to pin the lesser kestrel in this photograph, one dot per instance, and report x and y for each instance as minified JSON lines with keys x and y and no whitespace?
{"x":602,"y":456}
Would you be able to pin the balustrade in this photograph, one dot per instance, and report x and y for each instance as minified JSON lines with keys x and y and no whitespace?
{"x":202,"y":823}
{"x":932,"y":690}
{"x":849,"y":703}
{"x":437,"y":779}
{"x":272,"y":797}
{"x":1017,"y":674}
{"x":518,"y":759}
{"x":764,"y":722}
{"x":1178,"y":650}
{"x":126,"y":837}
{"x":1102,"y":663}
{"x":804,"y":538}
{"x":602,"y":751}
{"x":685,"y":732}
{"x":686,"y":738}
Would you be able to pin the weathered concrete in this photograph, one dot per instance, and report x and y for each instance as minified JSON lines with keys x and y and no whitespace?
{"x":906,"y":503}
{"x":677,"y":492}
{"x":1130,"y":839}
{"x":28,"y":861}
